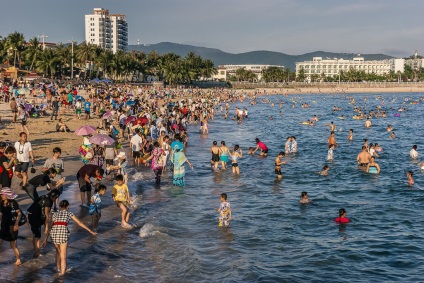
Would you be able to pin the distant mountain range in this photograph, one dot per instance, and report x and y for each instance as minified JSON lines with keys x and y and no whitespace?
{"x":220,"y":57}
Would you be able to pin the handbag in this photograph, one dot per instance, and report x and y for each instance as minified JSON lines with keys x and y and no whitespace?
{"x":33,"y":169}
{"x":23,"y":219}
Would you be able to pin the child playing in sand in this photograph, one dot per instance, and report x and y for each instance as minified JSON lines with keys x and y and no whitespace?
{"x":410,"y":179}
{"x":224,"y":210}
{"x":121,"y":197}
{"x":304,"y":198}
{"x":95,"y":204}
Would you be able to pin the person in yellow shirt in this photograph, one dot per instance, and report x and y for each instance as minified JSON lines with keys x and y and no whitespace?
{"x":121,"y":197}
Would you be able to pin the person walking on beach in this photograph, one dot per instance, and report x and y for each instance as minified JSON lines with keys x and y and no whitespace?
{"x":23,"y":116}
{"x":11,"y":214}
{"x":41,"y":180}
{"x":121,"y":197}
{"x":39,"y":215}
{"x":59,"y":234}
{"x":7,"y":161}
{"x":83,"y":176}
{"x":87,"y":109}
{"x":14,"y":109}
{"x":55,"y":108}
{"x":24,"y":155}
{"x":136,"y":143}
{"x":56,"y":163}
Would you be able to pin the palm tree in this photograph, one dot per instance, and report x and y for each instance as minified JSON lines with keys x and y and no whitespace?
{"x":32,"y":51}
{"x":48,"y":62}
{"x":84,"y":54}
{"x":63,"y":55}
{"x":105,"y":62}
{"x":15,"y":42}
{"x":207,"y":69}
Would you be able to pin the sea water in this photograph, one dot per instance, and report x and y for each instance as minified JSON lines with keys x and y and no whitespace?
{"x":272,"y":237}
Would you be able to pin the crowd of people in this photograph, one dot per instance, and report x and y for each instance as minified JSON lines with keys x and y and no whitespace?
{"x":154,"y":123}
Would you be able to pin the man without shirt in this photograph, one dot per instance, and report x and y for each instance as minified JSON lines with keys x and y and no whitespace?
{"x":364,"y":157}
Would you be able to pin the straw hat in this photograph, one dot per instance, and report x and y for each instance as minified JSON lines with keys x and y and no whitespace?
{"x":8,"y":193}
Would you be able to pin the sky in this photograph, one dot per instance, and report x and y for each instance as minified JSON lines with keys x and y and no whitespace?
{"x":293,"y":27}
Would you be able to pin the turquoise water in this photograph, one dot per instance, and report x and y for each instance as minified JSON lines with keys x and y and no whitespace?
{"x":272,"y":237}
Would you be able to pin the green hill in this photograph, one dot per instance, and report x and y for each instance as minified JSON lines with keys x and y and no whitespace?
{"x":220,"y":57}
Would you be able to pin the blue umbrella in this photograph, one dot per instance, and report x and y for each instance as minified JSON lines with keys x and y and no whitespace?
{"x":79,"y":97}
{"x":131,"y":102}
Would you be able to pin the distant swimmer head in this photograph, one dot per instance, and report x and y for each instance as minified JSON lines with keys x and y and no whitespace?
{"x":215,"y":143}
{"x":342,"y":211}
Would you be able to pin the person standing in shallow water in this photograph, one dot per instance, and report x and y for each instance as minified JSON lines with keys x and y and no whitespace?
{"x":235,"y":155}
{"x":215,"y":155}
{"x":224,"y":152}
{"x":262,"y":146}
{"x":178,"y":159}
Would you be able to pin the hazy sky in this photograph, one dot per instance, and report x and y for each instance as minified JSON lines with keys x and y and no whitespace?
{"x":392,"y":27}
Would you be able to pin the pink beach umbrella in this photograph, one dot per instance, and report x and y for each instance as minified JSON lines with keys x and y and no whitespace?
{"x":85,"y":131}
{"x":108,"y":114}
{"x":101,"y":139}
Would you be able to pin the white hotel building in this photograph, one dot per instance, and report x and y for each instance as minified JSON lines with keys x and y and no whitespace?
{"x":333,"y":67}
{"x":109,"y":31}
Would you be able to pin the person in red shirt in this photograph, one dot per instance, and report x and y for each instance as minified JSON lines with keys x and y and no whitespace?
{"x":342,"y":216}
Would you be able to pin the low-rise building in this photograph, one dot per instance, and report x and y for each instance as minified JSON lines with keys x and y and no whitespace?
{"x":225,"y":71}
{"x":333,"y":67}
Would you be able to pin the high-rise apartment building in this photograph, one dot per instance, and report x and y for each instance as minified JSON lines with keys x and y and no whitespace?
{"x":109,"y":31}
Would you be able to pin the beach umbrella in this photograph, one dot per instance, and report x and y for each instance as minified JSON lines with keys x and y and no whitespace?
{"x":79,"y":97}
{"x":28,"y":107}
{"x":140,"y":121}
{"x":108,"y":114}
{"x":131,"y":102}
{"x":85,"y":131}
{"x":23,"y":91}
{"x":129,"y":120}
{"x":101,"y":139}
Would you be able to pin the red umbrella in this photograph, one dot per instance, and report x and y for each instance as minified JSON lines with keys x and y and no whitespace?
{"x":129,"y":119}
{"x":140,"y":121}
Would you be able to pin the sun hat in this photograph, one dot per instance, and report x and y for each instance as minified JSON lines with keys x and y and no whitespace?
{"x":8,"y":193}
{"x":121,"y":155}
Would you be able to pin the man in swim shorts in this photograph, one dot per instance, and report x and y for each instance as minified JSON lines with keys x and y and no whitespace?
{"x":278,"y":163}
{"x":364,"y":157}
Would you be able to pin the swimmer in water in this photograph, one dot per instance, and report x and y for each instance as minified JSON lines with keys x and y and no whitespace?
{"x":262,"y":146}
{"x":409,"y":174}
{"x":389,"y":128}
{"x":342,"y":217}
{"x":271,"y":118}
{"x":350,"y":137}
{"x":250,"y":151}
{"x":332,"y":126}
{"x":378,"y":148}
{"x":393,"y":136}
{"x":330,"y":155}
{"x":331,"y":139}
{"x":325,"y":170}
{"x":315,"y":118}
{"x":373,"y":167}
{"x":278,"y":162}
{"x":235,"y":155}
{"x":304,"y":198}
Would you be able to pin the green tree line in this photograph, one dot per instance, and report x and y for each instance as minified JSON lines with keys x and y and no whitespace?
{"x":56,"y":62}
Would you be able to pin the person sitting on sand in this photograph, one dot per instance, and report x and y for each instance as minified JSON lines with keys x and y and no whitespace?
{"x":61,"y":126}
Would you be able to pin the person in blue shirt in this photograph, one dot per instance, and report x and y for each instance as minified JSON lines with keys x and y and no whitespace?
{"x":87,"y":107}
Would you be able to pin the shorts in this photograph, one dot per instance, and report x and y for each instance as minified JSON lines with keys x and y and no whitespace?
{"x":360,"y":164}
{"x":118,"y":203}
{"x":109,"y":161}
{"x":83,"y":185}
{"x":78,"y":111}
{"x":265,"y":151}
{"x":234,"y":164}
{"x":122,"y":126}
{"x":23,"y":123}
{"x":136,"y":154}
{"x":224,"y":158}
{"x":87,"y":112}
{"x":22,"y":167}
{"x":278,"y":172}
